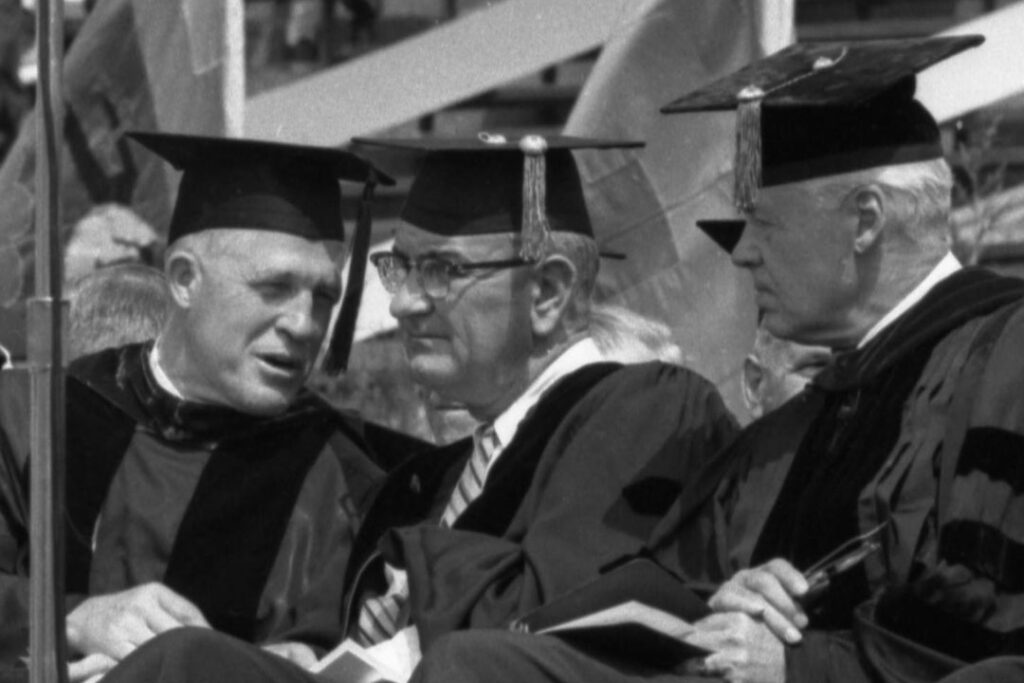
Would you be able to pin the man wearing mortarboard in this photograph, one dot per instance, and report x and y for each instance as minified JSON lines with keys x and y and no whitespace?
{"x":206,"y":486}
{"x":575,"y":459}
{"x":871,"y":528}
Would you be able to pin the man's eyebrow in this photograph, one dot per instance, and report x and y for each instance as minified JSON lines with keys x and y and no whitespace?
{"x":264,"y":272}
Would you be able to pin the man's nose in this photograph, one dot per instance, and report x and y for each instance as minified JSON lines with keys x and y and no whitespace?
{"x":410,"y":299}
{"x":746,"y":253}
{"x":300,"y":321}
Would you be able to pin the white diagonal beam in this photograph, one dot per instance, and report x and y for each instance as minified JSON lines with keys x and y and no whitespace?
{"x":470,"y":55}
{"x":983,"y":75}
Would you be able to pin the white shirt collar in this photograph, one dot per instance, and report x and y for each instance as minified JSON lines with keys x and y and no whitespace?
{"x":162,"y":380}
{"x":946,"y":267}
{"x":583,"y":352}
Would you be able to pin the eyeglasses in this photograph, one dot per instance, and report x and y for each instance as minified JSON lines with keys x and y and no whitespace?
{"x":435,"y":272}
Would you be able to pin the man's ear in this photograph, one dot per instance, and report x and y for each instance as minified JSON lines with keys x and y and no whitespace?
{"x":753,"y":379}
{"x":183,"y":277}
{"x":869,"y":203}
{"x":553,"y":283}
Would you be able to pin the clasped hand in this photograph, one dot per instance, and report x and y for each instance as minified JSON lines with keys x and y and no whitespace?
{"x":756,"y":613}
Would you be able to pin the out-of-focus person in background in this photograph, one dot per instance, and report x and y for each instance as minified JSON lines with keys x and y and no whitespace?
{"x":15,"y":98}
{"x":378,"y":386}
{"x":109,"y":234}
{"x":776,"y":370}
{"x":126,"y":303}
{"x":625,"y":336}
{"x":305,"y":27}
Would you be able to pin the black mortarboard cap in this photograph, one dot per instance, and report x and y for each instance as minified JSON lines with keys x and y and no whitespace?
{"x":260,"y":185}
{"x":493,"y":184}
{"x":255,"y":184}
{"x":820,"y":109}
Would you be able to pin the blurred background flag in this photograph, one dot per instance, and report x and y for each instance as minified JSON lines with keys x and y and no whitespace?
{"x":171,"y":65}
{"x":645,"y":201}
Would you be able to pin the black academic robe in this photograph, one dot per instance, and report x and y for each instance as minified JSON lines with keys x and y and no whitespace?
{"x":250,"y":518}
{"x":922,"y":430}
{"x":590,"y":471}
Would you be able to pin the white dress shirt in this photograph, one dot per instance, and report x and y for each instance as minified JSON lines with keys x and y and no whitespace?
{"x":943,"y":269}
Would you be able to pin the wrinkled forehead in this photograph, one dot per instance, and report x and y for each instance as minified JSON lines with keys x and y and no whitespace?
{"x":414,"y":241}
{"x":267,"y":249}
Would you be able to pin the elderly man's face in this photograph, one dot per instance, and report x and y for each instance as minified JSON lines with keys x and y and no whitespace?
{"x":473,"y":345}
{"x":262,"y":306}
{"x":799,"y":250}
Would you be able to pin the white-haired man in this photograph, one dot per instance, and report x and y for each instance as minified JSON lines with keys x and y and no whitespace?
{"x":899,"y":469}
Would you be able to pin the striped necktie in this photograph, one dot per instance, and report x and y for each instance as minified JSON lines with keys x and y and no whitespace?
{"x":471,"y":483}
{"x":383,"y":616}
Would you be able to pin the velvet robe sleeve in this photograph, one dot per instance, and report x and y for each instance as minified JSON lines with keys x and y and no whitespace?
{"x":310,"y":570}
{"x":587,"y":504}
{"x":963,"y":600}
{"x":965,"y":596}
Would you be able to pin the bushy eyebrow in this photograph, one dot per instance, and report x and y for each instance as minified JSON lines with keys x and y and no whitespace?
{"x":257,"y":274}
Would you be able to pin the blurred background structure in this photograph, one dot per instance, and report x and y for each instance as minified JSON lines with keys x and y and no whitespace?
{"x":320,"y":71}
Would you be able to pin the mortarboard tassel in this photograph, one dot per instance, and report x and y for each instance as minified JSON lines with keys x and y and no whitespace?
{"x":340,"y":345}
{"x":747,"y":164}
{"x":536,"y":230}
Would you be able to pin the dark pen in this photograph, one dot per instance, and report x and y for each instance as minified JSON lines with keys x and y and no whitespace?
{"x":820,"y":574}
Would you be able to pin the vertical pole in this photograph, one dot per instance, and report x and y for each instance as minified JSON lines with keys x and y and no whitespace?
{"x":327,"y":32}
{"x":234,"y":68}
{"x":45,"y":350}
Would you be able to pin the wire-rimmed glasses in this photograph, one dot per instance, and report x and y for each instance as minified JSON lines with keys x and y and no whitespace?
{"x":435,"y":272}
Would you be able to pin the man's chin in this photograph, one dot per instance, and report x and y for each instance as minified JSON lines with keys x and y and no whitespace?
{"x":435,"y":376}
{"x":266,"y":401}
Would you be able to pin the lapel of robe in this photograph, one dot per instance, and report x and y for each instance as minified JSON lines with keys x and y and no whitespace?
{"x":98,"y":434}
{"x":512,"y":475}
{"x":417,"y":491}
{"x":412,"y":493}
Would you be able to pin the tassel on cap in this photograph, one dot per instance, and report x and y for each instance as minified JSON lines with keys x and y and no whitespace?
{"x":340,"y":345}
{"x":535,"y":230}
{"x":747,"y":165}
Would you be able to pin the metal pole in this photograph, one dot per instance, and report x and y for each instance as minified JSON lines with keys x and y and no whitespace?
{"x":47,"y":644}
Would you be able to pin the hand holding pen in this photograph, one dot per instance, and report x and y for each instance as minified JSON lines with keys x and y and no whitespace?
{"x":777,"y":593}
{"x":847,"y":556}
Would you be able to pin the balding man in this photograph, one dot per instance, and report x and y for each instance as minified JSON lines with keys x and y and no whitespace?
{"x":206,"y":486}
